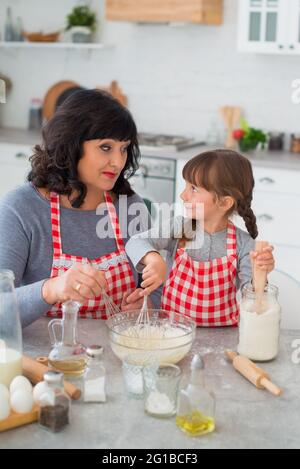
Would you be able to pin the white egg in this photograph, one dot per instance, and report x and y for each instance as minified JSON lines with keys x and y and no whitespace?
{"x":38,"y":390}
{"x":4,"y":392}
{"x":20,"y":382}
{"x":48,"y":398}
{"x":21,"y":401}
{"x":4,"y":409}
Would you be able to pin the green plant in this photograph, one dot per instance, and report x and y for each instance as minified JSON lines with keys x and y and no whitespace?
{"x":82,"y":16}
{"x":248,"y":137}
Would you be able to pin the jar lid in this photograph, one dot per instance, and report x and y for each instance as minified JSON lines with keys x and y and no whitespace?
{"x":94,"y":351}
{"x":197,"y":363}
{"x":54,"y":377}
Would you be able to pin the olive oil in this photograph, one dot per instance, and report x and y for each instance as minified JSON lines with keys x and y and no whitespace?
{"x":196,"y":409}
{"x":73,"y":368}
{"x":196,"y":424}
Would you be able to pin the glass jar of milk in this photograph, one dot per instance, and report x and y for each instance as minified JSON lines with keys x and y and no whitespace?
{"x":259,"y":328}
{"x":10,"y":330}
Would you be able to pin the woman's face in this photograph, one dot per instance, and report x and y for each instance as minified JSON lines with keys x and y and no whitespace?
{"x":102,"y":163}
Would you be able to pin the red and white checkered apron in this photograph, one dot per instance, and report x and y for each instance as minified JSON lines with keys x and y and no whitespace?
{"x":205,"y":291}
{"x":116,"y":266}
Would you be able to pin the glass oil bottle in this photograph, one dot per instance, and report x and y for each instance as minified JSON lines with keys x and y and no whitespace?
{"x":67,"y":356}
{"x":196,"y":408}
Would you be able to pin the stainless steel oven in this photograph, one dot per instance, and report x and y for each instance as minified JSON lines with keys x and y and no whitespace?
{"x":155,"y":181}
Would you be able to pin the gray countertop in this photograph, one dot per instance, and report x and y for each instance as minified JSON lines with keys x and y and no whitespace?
{"x":280,"y":160}
{"x":246,"y":417}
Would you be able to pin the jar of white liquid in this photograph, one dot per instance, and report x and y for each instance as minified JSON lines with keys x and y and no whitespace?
{"x":259,"y":328}
{"x":10,"y":330}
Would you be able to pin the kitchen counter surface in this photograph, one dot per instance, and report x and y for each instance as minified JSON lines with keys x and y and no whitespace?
{"x":280,"y":160}
{"x":246,"y":417}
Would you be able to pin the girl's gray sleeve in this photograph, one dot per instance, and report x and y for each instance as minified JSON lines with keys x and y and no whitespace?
{"x":245,"y":245}
{"x":162,"y":237}
{"x":14,"y":252}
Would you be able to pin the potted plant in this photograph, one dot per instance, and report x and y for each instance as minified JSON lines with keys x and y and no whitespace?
{"x":81,"y":22}
{"x":249,"y":138}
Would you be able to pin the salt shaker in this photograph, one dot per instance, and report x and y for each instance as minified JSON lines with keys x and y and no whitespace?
{"x":94,"y":377}
{"x":54,"y":413}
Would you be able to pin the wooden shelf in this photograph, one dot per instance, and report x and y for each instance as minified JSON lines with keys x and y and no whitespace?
{"x":160,"y":11}
{"x":53,"y":45}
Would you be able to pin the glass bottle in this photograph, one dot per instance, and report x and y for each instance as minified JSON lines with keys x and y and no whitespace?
{"x":35,"y":114}
{"x":67,"y":355}
{"x":8,"y":27}
{"x":94,"y":377}
{"x":196,"y":407}
{"x":259,"y":328}
{"x":10,"y":330}
{"x":54,"y":412}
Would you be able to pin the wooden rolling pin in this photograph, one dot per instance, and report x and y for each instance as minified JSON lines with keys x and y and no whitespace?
{"x":253,"y":373}
{"x":35,"y":371}
{"x":259,"y":277}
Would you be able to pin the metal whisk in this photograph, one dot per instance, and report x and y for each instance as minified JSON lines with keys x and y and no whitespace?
{"x":111,"y":307}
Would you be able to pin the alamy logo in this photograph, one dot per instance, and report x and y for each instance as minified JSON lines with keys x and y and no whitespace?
{"x":296,"y":91}
{"x":2,"y":92}
{"x":296,"y":353}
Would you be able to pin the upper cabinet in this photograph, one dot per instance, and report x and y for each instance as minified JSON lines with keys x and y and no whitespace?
{"x":269,"y":26}
{"x":166,"y":11}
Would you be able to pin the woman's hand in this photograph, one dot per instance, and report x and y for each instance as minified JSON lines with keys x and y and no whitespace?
{"x":265,"y":259}
{"x":133,"y":301}
{"x":80,"y":283}
{"x":154,"y":274}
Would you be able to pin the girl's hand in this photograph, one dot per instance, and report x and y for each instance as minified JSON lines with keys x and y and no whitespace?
{"x":133,"y":301}
{"x":264,"y":260}
{"x":154,"y":274}
{"x":80,"y":283}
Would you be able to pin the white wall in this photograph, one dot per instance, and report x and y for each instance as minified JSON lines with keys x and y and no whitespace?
{"x":176,"y":78}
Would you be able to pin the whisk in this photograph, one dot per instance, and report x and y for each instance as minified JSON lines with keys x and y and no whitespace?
{"x":143,"y":318}
{"x":111,"y":307}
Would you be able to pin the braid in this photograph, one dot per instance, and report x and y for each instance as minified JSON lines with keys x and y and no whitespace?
{"x":245,"y":211}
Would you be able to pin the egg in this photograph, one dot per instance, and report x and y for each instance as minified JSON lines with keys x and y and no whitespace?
{"x":21,"y":401}
{"x":20,"y":382}
{"x":4,"y":409}
{"x":4,"y":392}
{"x":38,"y":390}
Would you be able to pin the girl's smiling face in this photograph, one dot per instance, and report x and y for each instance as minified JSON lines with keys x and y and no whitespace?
{"x":102,"y":163}
{"x":201,"y":204}
{"x":198,"y":202}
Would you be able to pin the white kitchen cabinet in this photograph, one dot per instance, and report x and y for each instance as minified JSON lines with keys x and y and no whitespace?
{"x":269,"y":26}
{"x":14,"y":166}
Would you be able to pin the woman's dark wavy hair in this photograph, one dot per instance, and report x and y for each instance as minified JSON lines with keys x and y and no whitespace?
{"x":85,"y":115}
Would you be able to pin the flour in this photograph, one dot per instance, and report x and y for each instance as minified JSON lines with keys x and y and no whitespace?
{"x":158,"y":403}
{"x":259,"y":333}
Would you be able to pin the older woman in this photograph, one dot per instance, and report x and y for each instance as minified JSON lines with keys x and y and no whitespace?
{"x":60,"y":233}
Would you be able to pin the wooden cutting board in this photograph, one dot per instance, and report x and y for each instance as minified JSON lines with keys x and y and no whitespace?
{"x":18,"y":420}
{"x":52,"y":95}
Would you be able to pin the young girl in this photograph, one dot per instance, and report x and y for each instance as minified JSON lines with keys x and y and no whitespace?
{"x":202,"y":281}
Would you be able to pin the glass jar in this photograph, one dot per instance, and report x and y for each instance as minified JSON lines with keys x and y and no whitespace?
{"x":10,"y":330}
{"x":54,"y":412}
{"x":67,"y":355}
{"x":94,"y":377}
{"x":259,"y":332}
{"x":133,"y":366}
{"x":161,"y":386}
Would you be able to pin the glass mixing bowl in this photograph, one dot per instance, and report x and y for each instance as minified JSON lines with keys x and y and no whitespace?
{"x":168,"y":336}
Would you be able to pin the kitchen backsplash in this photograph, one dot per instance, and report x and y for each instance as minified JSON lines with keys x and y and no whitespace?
{"x":176,"y":78}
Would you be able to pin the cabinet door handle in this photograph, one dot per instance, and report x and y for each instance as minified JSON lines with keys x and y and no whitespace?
{"x":267,"y":180}
{"x":21,"y":155}
{"x":281,"y":46}
{"x":292,"y":46}
{"x":265,"y":217}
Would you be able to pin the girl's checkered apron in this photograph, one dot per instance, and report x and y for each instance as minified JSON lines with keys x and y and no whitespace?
{"x":205,"y":291}
{"x":116,"y":266}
